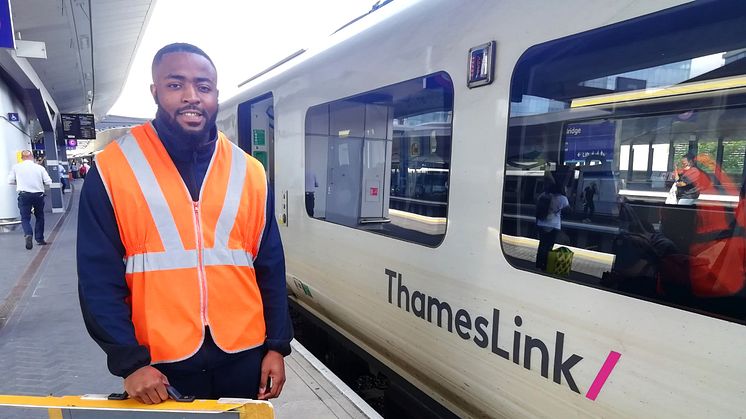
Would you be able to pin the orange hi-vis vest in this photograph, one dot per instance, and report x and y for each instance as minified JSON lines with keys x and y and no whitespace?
{"x":188,"y":264}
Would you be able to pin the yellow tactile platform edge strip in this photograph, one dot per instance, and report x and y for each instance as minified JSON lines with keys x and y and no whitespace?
{"x":248,"y":409}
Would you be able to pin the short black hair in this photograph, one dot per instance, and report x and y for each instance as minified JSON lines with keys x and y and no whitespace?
{"x":690,"y":156}
{"x":179,"y":47}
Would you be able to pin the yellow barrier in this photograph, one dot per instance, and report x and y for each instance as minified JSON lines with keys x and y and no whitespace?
{"x":92,"y":406}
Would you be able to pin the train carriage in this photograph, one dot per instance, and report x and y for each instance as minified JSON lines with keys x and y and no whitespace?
{"x":407,"y":154}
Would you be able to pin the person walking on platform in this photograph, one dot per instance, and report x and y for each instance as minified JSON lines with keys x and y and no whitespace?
{"x":83,"y":169}
{"x":30,"y":179}
{"x":200,"y":302}
{"x":63,"y":177}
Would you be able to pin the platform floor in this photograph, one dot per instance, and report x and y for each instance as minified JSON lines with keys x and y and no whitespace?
{"x":45,"y":349}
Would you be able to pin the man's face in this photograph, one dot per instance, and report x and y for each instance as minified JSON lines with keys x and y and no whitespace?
{"x":685,"y":163}
{"x":185,"y":90}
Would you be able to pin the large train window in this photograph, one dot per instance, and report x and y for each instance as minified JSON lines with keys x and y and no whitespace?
{"x":625,"y":160}
{"x":380,"y":160}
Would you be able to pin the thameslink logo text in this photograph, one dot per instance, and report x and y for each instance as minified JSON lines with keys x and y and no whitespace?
{"x":484,"y":333}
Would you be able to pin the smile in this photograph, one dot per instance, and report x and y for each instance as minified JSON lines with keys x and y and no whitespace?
{"x":190,"y":113}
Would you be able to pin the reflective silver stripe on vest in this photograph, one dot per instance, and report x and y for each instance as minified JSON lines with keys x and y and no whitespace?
{"x":106,"y":185}
{"x":185,"y":259}
{"x":223,"y":256}
{"x":159,"y":209}
{"x":236,"y":182}
{"x":160,"y":261}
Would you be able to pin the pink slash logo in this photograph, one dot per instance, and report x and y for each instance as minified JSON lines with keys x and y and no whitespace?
{"x":603,"y":374}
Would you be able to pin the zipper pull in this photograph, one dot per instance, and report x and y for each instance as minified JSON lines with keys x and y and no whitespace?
{"x":195,"y":205}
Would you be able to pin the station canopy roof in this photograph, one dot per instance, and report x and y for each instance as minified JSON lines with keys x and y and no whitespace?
{"x":90,"y":45}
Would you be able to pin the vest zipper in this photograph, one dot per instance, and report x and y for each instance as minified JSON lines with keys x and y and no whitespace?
{"x":201,"y":264}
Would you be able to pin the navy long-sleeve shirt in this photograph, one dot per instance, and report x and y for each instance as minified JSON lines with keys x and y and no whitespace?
{"x":102,"y":287}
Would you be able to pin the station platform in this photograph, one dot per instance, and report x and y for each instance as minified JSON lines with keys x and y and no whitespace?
{"x":45,"y":349}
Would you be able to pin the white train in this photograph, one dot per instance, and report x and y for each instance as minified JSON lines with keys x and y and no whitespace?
{"x":406,"y":155}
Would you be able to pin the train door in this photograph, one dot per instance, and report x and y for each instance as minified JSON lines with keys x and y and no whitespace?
{"x":256,"y":131}
{"x":344,"y":172}
{"x":358,"y":163}
{"x":376,"y":163}
{"x":345,"y":164}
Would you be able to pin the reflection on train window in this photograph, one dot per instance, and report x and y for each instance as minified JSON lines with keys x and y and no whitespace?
{"x":380,"y":161}
{"x":625,"y":159}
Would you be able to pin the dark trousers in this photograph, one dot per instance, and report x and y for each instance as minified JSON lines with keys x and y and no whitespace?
{"x":212,"y":373}
{"x":547,"y":237}
{"x":589,"y":209}
{"x":310,"y":203}
{"x":27,"y":201}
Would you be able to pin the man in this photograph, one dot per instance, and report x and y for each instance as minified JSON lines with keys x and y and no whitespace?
{"x":200,"y":302}
{"x":63,"y":177}
{"x":589,"y":206}
{"x":30,"y":179}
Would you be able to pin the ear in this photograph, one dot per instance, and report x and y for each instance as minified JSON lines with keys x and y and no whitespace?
{"x":154,"y":93}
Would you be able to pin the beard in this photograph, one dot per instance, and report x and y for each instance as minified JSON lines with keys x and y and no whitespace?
{"x":193,"y":138}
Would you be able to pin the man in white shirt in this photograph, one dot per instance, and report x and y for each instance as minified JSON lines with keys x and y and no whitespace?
{"x":30,"y":179}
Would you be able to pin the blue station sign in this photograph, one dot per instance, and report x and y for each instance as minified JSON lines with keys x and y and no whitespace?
{"x":589,"y":141}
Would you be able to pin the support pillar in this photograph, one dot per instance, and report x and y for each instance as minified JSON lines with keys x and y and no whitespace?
{"x":54,"y":155}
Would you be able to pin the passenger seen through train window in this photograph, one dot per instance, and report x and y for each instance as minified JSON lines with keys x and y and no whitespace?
{"x":635,"y":112}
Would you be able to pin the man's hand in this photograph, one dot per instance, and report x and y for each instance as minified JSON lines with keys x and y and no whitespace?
{"x":147,"y":385}
{"x":273,"y":367}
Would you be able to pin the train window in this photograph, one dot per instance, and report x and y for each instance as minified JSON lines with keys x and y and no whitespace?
{"x":625,"y":160}
{"x":380,"y":160}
